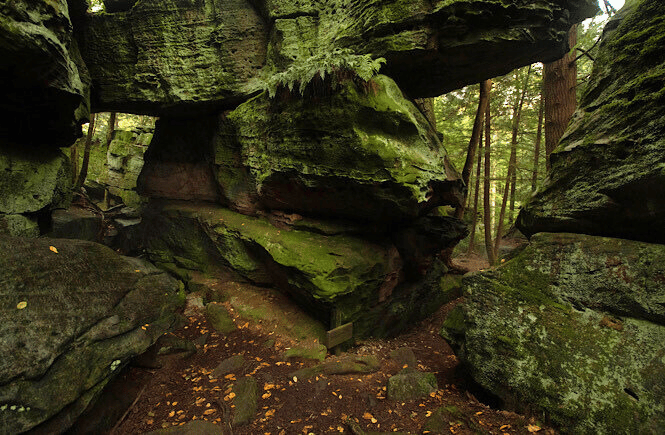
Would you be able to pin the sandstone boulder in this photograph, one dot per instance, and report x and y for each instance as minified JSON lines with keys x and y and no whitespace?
{"x":572,"y":327}
{"x":360,"y":154}
{"x":359,"y":276}
{"x":45,"y":84}
{"x":74,"y":313}
{"x":607,"y":174}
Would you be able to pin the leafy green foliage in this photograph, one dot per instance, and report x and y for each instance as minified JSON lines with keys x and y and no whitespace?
{"x":338,"y":64}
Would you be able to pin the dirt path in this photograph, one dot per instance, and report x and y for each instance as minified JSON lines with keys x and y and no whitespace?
{"x":184,"y":388}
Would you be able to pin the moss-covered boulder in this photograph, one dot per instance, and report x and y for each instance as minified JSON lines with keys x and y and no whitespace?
{"x":45,"y":85}
{"x":73,"y":314}
{"x":572,"y":327}
{"x":608,"y":172}
{"x":365,"y":154}
{"x":32,"y":183}
{"x":360,"y":278}
{"x":124,"y":162}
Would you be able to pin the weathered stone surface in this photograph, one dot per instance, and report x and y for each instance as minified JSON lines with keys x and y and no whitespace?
{"x":410,"y":384}
{"x":141,"y":62}
{"x":124,"y":164}
{"x":229,"y":365}
{"x":361,"y":154}
{"x":173,"y":55}
{"x":360,"y":277}
{"x":608,"y":175}
{"x":432,"y":47}
{"x":76,"y":223}
{"x":31,"y":185}
{"x":246,"y":397}
{"x":44,"y":83}
{"x":572,"y":327}
{"x":71,"y":319}
{"x":178,"y":164}
{"x":351,"y":364}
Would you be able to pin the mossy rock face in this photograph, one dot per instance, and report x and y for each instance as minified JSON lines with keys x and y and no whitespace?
{"x":31,"y":180}
{"x":64,"y":338}
{"x":608,"y":172}
{"x":44,"y":80}
{"x":361,"y":278}
{"x":367,"y":155}
{"x":140,"y":63}
{"x":219,"y":318}
{"x":246,"y":397}
{"x":572,"y":327}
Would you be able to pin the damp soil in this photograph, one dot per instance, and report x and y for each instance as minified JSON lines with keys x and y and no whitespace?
{"x":183,"y":388}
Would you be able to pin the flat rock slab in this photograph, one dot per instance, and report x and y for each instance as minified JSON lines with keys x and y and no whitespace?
{"x":340,"y":366}
{"x":197,"y":427}
{"x":73,"y":314}
{"x":410,"y":384}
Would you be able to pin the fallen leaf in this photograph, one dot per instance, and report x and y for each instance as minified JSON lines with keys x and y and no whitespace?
{"x":209,"y":411}
{"x":270,"y":412}
{"x":171,"y":414}
{"x":53,"y":249}
{"x":21,"y":305}
{"x":266,"y":395}
{"x":533,"y":428}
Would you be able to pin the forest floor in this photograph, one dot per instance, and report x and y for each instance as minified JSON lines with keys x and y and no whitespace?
{"x":184,"y":389}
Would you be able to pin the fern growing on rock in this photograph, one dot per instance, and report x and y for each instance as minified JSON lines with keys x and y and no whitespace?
{"x":327,"y":70}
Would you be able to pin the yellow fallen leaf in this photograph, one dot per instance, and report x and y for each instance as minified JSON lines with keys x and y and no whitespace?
{"x":368,"y":416}
{"x":21,"y":305}
{"x":53,"y":249}
{"x":171,"y":414}
{"x":209,"y":411}
{"x":533,"y":428}
{"x":270,"y":412}
{"x":266,"y":395}
{"x":231,"y":377}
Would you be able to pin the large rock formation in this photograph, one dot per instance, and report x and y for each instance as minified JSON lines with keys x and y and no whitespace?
{"x":607,"y":173}
{"x":44,"y":84}
{"x":573,"y":327}
{"x":74,"y":314}
{"x":165,"y":56}
{"x":169,"y":56}
{"x":32,"y":184}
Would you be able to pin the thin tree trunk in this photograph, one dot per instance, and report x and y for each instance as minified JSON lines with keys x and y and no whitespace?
{"x":476,"y":195}
{"x":111,"y":128}
{"x":517,"y":116}
{"x":486,"y":193}
{"x":74,"y":158}
{"x":536,"y":151}
{"x":483,"y":102}
{"x":559,"y":83}
{"x":86,"y":154}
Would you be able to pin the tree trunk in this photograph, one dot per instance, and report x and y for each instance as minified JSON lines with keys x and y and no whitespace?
{"x":74,"y":158}
{"x":486,"y":192}
{"x":517,"y":116}
{"x":111,"y":128}
{"x":483,"y":102}
{"x":559,"y":82}
{"x":536,"y":151}
{"x":86,"y":154}
{"x":426,"y":107}
{"x":476,"y":195}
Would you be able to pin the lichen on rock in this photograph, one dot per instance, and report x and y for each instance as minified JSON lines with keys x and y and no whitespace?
{"x":608,"y":173}
{"x":570,"y":328}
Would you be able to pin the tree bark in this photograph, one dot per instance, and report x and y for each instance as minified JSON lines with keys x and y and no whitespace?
{"x":486,"y":192}
{"x":426,"y":107}
{"x":111,"y":128}
{"x":86,"y":154}
{"x":517,"y":116}
{"x":559,"y":83}
{"x":476,"y":195}
{"x":483,"y":102}
{"x":536,"y":151}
